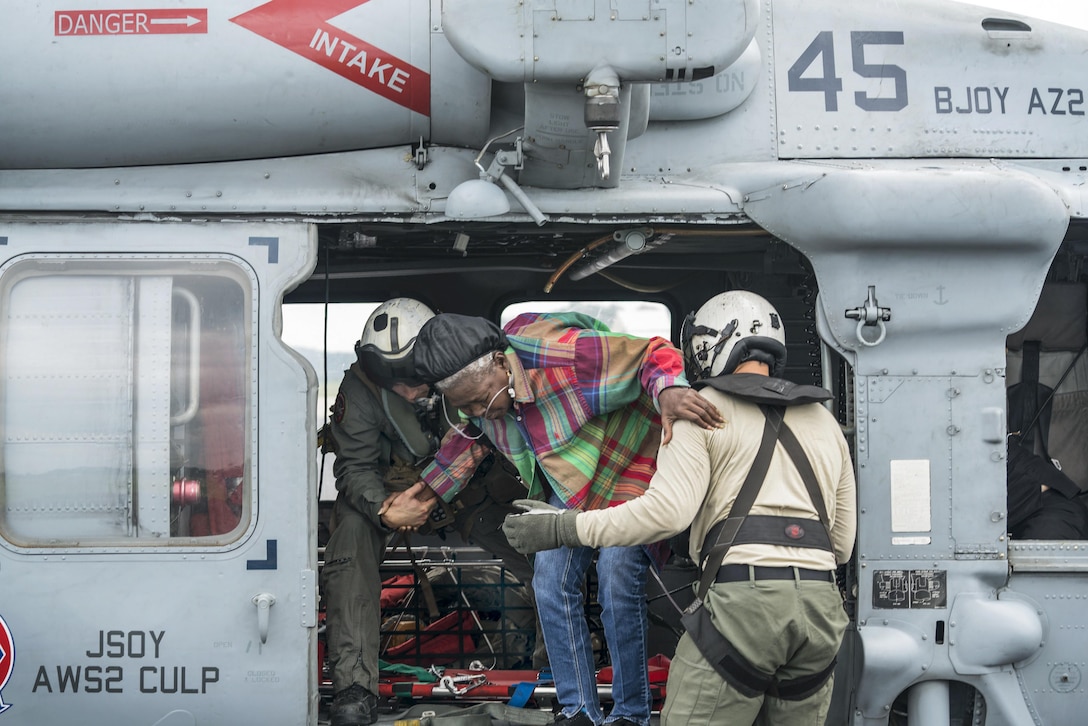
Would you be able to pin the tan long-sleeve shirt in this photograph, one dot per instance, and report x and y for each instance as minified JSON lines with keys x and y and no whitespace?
{"x":700,"y":472}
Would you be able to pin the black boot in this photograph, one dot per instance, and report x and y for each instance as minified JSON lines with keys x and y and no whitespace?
{"x":354,"y":706}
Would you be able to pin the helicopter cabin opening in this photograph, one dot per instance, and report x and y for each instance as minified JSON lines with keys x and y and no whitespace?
{"x":137,"y":388}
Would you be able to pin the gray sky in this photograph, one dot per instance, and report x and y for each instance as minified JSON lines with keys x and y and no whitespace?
{"x":1068,"y":12}
{"x":303,"y":324}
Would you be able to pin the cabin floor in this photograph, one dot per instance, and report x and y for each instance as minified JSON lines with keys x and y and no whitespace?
{"x":401,"y":715}
{"x":482,"y":634}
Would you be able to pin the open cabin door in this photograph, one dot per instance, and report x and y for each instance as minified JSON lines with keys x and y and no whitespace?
{"x":156,"y":535}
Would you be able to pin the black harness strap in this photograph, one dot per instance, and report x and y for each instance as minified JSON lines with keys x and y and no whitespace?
{"x":785,"y":531}
{"x":715,"y":647}
{"x":720,"y":653}
{"x":804,"y":468}
{"x":801,"y":688}
{"x":728,"y":528}
{"x":739,"y":527}
{"x":735,"y":669}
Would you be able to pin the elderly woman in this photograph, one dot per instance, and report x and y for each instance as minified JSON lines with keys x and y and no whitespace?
{"x":575,"y":408}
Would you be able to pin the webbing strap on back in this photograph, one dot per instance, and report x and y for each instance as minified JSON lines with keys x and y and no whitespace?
{"x":808,"y":476}
{"x":715,"y":647}
{"x":725,"y":532}
{"x":745,"y":498}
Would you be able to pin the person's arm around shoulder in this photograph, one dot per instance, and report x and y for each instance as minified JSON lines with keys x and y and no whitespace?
{"x":682,"y":403}
{"x":662,"y":376}
{"x":621,"y":367}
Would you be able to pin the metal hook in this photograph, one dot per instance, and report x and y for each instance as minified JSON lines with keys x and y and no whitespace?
{"x":870,"y":315}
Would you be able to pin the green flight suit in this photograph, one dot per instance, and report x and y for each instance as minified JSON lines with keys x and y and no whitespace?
{"x":370,"y":426}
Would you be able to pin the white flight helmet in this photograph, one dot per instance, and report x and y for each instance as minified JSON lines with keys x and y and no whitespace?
{"x":730,"y":328}
{"x":384,"y":349}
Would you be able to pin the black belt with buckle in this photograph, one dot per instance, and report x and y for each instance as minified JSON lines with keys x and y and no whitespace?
{"x":742,"y":573}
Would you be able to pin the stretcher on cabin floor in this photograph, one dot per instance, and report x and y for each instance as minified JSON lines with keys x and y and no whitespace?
{"x":464,"y":654}
{"x":515,"y":687}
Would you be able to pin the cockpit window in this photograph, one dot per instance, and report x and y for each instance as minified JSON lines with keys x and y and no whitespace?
{"x":126,"y":414}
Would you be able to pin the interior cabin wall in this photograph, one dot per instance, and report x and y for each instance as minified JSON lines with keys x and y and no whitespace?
{"x":1060,"y":327}
{"x":498,"y":267}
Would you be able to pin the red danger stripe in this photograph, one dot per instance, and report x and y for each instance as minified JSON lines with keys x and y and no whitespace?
{"x":362,"y":63}
{"x":301,"y":26}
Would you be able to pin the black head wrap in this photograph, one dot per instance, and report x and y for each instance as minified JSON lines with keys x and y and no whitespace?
{"x":449,"y":342}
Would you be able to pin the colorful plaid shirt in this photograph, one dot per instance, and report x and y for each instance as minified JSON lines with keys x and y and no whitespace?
{"x":584,"y":409}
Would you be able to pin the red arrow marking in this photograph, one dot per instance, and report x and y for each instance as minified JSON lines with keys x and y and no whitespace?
{"x":301,"y":26}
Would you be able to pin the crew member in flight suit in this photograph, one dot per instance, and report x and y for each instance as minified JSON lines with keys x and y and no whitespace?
{"x":384,"y":429}
{"x":761,"y":647}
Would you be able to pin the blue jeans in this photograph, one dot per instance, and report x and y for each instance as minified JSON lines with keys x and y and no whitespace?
{"x":558,"y":576}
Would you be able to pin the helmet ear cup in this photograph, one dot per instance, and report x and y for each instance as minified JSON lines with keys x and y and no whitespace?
{"x":730,"y":328}
{"x":384,"y":350}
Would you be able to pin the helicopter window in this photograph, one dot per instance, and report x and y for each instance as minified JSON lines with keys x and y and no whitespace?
{"x":126,"y":417}
{"x":325,"y":336}
{"x":635,"y":317}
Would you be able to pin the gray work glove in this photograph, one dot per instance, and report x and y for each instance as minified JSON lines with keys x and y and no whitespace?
{"x":541,"y":527}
